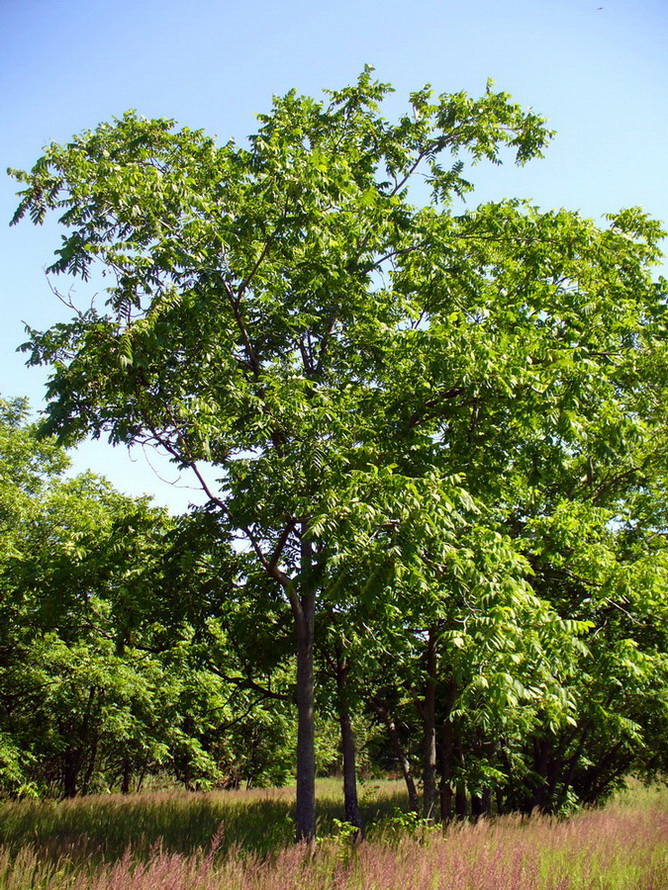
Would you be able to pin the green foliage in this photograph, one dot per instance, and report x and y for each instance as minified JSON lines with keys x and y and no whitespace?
{"x":100,"y":676}
{"x":441,"y":432}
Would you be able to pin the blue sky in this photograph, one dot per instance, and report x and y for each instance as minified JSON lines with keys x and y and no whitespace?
{"x":599,"y":74}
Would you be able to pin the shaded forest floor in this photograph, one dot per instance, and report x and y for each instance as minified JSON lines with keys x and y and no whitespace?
{"x":242,"y":841}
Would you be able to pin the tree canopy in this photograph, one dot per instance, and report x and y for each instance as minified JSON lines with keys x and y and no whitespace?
{"x":388,"y":400}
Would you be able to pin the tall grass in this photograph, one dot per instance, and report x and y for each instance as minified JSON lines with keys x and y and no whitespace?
{"x":102,"y":827}
{"x":241,"y":841}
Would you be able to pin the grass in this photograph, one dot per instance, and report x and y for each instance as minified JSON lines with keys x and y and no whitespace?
{"x":102,"y":827}
{"x":241,"y":841}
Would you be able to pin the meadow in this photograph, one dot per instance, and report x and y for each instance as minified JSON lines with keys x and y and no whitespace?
{"x":242,"y":841}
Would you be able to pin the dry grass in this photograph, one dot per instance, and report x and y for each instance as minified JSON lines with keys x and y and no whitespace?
{"x":621,"y":847}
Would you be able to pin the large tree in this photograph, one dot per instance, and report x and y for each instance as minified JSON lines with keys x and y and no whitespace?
{"x":337,"y":356}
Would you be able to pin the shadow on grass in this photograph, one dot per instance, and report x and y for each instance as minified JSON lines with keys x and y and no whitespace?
{"x":101,"y":829}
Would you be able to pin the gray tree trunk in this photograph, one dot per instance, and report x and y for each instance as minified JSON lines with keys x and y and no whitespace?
{"x":445,"y":785}
{"x":304,"y":611}
{"x":347,"y":743}
{"x":429,"y":720}
{"x":446,"y":753}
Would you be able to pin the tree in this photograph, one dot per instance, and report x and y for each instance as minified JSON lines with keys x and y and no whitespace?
{"x":93,"y":680}
{"x":319,"y":350}
{"x":26,"y":467}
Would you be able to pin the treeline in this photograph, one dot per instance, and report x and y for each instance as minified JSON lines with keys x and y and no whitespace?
{"x":132,"y":646}
{"x":105,"y":677}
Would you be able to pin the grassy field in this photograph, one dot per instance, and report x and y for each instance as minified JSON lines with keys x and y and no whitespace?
{"x":241,"y":841}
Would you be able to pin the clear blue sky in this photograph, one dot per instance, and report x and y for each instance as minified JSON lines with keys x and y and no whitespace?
{"x":599,"y":74}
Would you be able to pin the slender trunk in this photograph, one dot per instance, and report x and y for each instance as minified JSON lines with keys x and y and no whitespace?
{"x":429,"y":720}
{"x":573,"y":764}
{"x":125,"y":783}
{"x":183,"y":761}
{"x":476,"y":806}
{"x":446,"y":751}
{"x":541,"y":759}
{"x":305,"y":815}
{"x":445,"y":800}
{"x":347,"y":743}
{"x":74,"y":756}
{"x":140,"y":780}
{"x":487,"y":802}
{"x":507,"y":794}
{"x":461,"y":801}
{"x":90,"y":769}
{"x":304,"y":609}
{"x":461,"y":798}
{"x":404,"y":762}
{"x":445,"y":784}
{"x":71,"y":766}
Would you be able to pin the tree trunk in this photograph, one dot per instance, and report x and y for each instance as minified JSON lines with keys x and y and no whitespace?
{"x":142,"y":774}
{"x":461,"y":801}
{"x":445,"y":784}
{"x":127,"y":770}
{"x":304,"y":609}
{"x":541,"y":760}
{"x":461,"y":797}
{"x":90,"y":769}
{"x":429,"y":720}
{"x":74,"y":756}
{"x":573,"y":762}
{"x":305,"y":816}
{"x":347,"y":743}
{"x":446,"y":752}
{"x":71,"y":766}
{"x":487,"y":802}
{"x":404,"y":762}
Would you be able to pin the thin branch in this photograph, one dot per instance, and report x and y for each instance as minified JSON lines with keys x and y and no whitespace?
{"x":263,"y":253}
{"x":427,"y":414}
{"x":394,"y":253}
{"x":423,"y":154}
{"x":324,"y":343}
{"x":247,"y":683}
{"x":280,"y":546}
{"x":180,"y":456}
{"x":234,"y":301}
